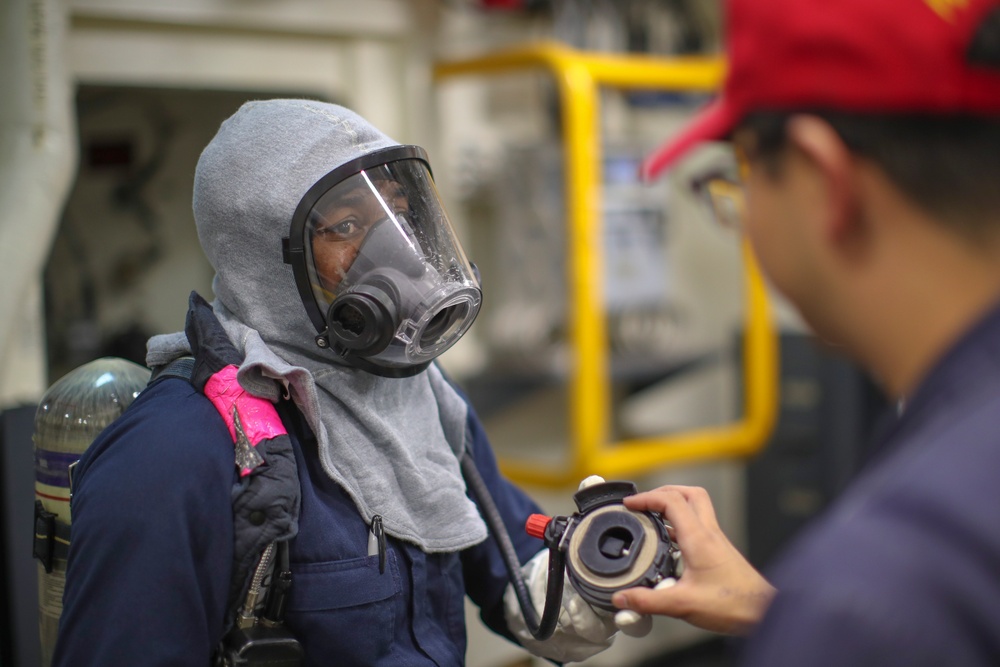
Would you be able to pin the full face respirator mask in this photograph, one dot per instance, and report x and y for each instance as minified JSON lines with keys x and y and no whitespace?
{"x":378,"y":266}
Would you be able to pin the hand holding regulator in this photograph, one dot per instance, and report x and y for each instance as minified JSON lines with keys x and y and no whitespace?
{"x":606,"y":546}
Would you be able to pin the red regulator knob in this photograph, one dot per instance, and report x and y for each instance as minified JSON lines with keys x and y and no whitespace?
{"x":536,"y":524}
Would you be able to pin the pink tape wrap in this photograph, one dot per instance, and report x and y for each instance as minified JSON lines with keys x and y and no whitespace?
{"x":258,"y":416}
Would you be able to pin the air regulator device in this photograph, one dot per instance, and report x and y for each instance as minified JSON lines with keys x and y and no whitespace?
{"x":608,"y":547}
{"x":602,"y":548}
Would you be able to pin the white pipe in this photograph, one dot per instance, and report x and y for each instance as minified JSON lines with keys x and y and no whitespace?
{"x":37,"y":164}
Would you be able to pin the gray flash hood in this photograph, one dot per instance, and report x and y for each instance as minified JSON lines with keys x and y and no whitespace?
{"x":391,"y":443}
{"x":249,"y":180}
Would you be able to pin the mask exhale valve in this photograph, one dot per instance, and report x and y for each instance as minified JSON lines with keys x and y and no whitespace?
{"x":390,"y":292}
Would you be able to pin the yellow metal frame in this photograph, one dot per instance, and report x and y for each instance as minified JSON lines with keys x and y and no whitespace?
{"x":579,"y":76}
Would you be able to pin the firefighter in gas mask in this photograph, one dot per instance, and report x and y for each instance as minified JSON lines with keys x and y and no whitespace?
{"x":338,"y":282}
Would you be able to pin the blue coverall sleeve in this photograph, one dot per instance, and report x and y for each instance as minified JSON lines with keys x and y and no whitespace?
{"x":486,"y":577}
{"x":152,"y":537}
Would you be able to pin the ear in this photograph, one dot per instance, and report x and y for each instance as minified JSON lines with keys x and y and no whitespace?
{"x":824,"y":150}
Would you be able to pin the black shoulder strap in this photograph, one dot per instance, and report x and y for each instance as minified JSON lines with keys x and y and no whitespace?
{"x":249,"y":570}
{"x":180,"y":368}
{"x":252,"y":537}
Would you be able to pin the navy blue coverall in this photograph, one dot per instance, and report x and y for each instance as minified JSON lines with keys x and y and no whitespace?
{"x":152,"y":546}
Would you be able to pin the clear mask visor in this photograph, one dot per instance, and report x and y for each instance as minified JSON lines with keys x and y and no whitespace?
{"x":386,"y":267}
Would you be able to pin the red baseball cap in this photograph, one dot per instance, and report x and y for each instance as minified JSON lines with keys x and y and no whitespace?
{"x":874,"y":56}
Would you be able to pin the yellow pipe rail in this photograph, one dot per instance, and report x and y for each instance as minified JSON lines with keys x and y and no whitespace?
{"x":578,"y":76}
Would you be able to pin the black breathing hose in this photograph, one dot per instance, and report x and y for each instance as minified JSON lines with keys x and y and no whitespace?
{"x":539,"y":629}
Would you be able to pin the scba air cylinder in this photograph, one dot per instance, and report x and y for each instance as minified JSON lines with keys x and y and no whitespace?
{"x":71,"y":413}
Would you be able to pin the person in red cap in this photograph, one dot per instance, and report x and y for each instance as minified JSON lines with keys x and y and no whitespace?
{"x":868,"y":138}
